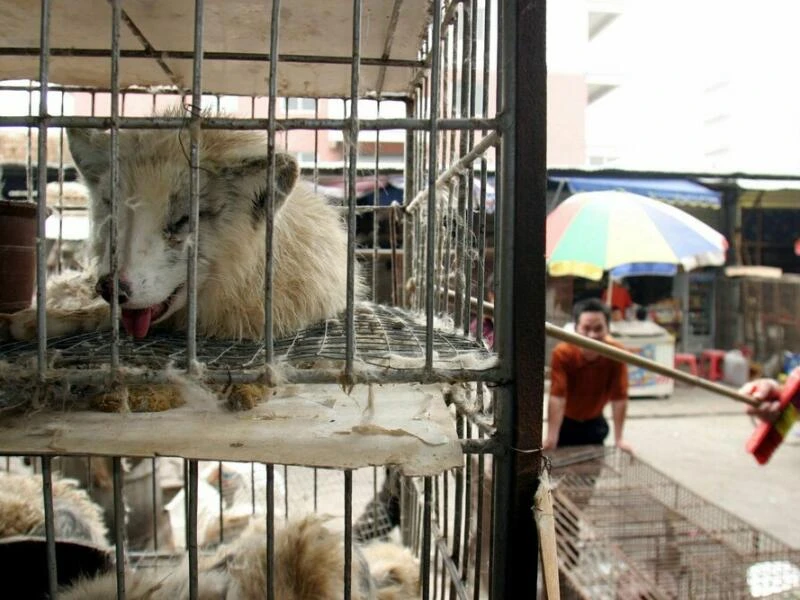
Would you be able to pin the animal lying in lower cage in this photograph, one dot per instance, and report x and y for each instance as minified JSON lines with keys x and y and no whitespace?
{"x":309,"y":563}
{"x":308,"y":545}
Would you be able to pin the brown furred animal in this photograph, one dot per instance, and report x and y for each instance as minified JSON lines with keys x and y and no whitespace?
{"x":309,"y":565}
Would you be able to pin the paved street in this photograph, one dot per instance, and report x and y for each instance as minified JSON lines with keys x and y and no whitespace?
{"x":698,"y":439}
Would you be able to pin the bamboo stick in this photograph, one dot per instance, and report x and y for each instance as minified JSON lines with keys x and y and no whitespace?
{"x":645,"y":363}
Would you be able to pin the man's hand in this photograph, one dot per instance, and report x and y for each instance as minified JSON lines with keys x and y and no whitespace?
{"x":768,"y":392}
{"x":623,"y":445}
{"x":550,"y":441}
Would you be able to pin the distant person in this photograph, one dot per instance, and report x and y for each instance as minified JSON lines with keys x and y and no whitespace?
{"x":620,"y":297}
{"x":582,"y":382}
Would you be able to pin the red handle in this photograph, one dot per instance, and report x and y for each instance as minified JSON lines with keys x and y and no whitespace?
{"x":768,"y":436}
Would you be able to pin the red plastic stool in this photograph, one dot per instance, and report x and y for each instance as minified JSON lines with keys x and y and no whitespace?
{"x":690,"y":360}
{"x":711,"y":364}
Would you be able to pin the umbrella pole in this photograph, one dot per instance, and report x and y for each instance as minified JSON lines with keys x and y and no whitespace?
{"x":610,"y":290}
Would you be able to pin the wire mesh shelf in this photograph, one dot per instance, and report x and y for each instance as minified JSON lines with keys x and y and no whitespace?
{"x":386,"y":338}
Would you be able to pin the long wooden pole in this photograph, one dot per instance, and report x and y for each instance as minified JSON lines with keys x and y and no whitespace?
{"x":645,"y":363}
{"x":632,"y":359}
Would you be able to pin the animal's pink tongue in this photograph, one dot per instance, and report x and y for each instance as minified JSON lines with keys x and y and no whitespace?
{"x":137,"y":321}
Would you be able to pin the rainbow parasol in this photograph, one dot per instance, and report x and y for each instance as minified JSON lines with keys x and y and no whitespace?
{"x":593,"y":232}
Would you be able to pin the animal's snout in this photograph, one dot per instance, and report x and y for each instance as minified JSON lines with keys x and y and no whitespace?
{"x":105,"y":287}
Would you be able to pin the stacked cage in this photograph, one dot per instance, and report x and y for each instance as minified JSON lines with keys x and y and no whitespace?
{"x":381,"y":446}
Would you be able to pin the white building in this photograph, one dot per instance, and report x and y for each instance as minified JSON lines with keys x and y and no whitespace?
{"x":695,"y":85}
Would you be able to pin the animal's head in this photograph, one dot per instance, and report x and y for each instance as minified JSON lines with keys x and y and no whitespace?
{"x":153,"y":209}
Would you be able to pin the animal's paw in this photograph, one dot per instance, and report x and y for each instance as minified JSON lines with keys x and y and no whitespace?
{"x":138,"y":398}
{"x":244,"y":396}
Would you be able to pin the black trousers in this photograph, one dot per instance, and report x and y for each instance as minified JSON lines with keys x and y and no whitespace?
{"x":582,"y":433}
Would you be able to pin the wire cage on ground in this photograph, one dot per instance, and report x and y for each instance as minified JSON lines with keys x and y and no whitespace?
{"x":274,"y":433}
{"x":626,"y":530}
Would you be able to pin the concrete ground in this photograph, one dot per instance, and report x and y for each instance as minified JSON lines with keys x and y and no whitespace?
{"x":698,"y":439}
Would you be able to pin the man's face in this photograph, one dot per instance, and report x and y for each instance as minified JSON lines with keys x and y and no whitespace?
{"x":592,"y":325}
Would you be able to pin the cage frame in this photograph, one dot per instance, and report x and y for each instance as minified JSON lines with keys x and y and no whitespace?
{"x":521,"y":125}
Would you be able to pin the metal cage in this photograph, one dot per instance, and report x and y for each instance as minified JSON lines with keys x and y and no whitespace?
{"x":627,"y":530}
{"x":465,"y":243}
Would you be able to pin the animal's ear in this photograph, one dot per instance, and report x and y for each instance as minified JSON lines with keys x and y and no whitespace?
{"x":90,"y":151}
{"x":250,"y":175}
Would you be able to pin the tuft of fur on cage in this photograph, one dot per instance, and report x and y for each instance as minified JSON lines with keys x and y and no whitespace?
{"x":309,"y":564}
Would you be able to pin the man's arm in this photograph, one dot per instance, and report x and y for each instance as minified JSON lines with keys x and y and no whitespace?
{"x":619,"y":409}
{"x":557,"y":401}
{"x":619,"y":405}
{"x":555,"y":416}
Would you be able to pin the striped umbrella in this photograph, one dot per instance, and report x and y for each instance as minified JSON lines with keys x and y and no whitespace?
{"x":628,"y":234}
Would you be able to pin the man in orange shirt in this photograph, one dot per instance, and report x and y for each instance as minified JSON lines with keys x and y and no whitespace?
{"x":582,"y":382}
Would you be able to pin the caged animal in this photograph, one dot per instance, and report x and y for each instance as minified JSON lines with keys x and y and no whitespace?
{"x":309,"y":565}
{"x":309,"y":240}
{"x":76,"y":516}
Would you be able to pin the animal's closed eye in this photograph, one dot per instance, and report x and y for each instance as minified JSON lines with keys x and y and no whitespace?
{"x":178,"y":226}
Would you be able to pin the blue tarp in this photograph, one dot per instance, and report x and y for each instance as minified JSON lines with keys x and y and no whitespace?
{"x":674,"y":191}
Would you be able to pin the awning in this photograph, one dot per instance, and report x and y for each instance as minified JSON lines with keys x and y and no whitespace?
{"x":762,"y":193}
{"x":675,"y":191}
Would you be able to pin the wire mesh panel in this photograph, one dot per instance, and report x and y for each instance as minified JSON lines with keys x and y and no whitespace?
{"x":627,"y":530}
{"x":230,"y":214}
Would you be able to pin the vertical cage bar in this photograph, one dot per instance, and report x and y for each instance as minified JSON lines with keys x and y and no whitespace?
{"x":316,"y":148}
{"x":113,"y":232}
{"x":479,"y":533}
{"x":465,"y":432}
{"x":353,"y":129}
{"x":191,"y":530}
{"x":269,"y":350}
{"x":286,"y":488}
{"x":432,"y":169}
{"x":376,"y":197}
{"x":270,"y":526}
{"x":221,"y":506}
{"x":481,"y":293}
{"x":348,"y":533}
{"x":49,"y":526}
{"x":410,"y":246}
{"x":194,"y":187}
{"x":154,"y":499}
{"x":119,"y":525}
{"x":443,"y":249}
{"x":316,"y":489}
{"x":466,"y":107}
{"x":425,"y":562}
{"x":41,"y":191}
{"x":60,"y":238}
{"x":520,"y":323}
{"x":458,"y":514}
